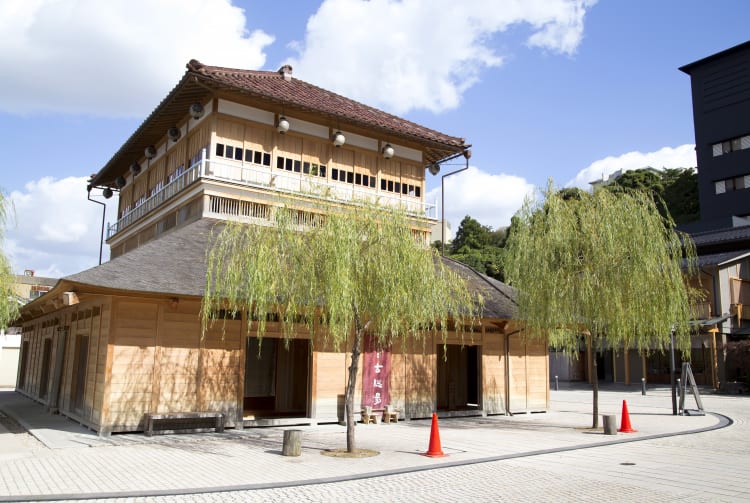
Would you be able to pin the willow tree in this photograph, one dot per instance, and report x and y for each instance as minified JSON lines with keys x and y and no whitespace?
{"x":8,"y":302}
{"x":606,"y":265}
{"x":356,"y":271}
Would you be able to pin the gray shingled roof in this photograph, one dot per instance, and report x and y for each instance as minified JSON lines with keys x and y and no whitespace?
{"x":499,"y":298}
{"x":721,"y":258}
{"x":175,"y":264}
{"x":721,"y":236}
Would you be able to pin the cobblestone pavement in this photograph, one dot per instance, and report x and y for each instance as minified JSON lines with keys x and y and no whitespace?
{"x":544,"y":457}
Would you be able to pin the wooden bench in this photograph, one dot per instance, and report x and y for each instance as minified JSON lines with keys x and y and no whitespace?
{"x":390,"y":413}
{"x":369,"y":416}
{"x":184,"y":422}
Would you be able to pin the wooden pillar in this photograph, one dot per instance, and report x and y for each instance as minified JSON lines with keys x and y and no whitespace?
{"x":614,"y":365}
{"x":715,"y":360}
{"x":626,"y":354}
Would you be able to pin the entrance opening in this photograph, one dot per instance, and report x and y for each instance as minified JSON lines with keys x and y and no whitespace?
{"x":458,"y":377}
{"x":277,"y":378}
{"x":79,"y":367}
{"x":24,"y":364}
{"x":46,"y":363}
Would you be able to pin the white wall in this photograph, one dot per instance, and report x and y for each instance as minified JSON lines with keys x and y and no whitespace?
{"x":9,"y":349}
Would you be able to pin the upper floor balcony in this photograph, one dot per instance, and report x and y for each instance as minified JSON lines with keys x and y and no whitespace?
{"x":263,"y":178}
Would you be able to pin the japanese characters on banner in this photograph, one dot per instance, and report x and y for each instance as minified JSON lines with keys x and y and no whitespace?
{"x":376,"y":374}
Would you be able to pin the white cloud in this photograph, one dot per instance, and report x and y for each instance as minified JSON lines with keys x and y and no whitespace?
{"x":114,"y":57}
{"x":666,"y":157}
{"x":423,"y":54}
{"x":490,"y":199}
{"x":54,"y":229}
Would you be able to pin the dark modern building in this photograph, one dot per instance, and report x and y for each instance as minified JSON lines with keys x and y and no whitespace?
{"x":721,"y":114}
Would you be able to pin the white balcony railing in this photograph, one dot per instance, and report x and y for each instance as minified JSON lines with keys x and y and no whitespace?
{"x":271,"y":179}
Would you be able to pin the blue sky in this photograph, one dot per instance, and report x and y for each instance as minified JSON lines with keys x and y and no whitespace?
{"x":563,"y":89}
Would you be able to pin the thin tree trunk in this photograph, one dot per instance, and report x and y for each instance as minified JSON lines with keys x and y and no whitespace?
{"x":595,"y":383}
{"x":351,"y":445}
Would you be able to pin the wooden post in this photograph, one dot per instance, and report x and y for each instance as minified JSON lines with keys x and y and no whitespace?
{"x":626,"y":355}
{"x":715,"y":363}
{"x":292,"y":443}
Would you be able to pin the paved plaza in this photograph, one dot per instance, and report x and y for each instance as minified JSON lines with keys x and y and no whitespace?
{"x":552,"y":456}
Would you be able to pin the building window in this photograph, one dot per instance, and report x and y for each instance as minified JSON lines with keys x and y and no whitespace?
{"x":730,"y":145}
{"x":732,"y":184}
{"x":240,"y":154}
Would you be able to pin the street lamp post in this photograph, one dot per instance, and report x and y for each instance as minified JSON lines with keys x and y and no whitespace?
{"x":107,"y":193}
{"x":467,"y":155}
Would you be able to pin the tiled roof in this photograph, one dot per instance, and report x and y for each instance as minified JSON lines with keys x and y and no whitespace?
{"x":721,"y":236}
{"x":721,"y":258}
{"x":275,"y":92}
{"x":175,"y":264}
{"x":295,"y":92}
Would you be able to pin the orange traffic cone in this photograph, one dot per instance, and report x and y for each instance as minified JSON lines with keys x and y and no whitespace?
{"x":625,"y":423}
{"x":434,"y":451}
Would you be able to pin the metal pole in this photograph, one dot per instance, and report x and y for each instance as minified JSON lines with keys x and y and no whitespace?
{"x":643,"y":386}
{"x":467,"y":155}
{"x":671,"y":373}
{"x":557,"y":384}
{"x":104,"y":211}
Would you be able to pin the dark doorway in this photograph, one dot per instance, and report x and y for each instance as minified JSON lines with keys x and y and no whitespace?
{"x":24,"y":365}
{"x":46,"y":363}
{"x":277,"y":377}
{"x":458,"y":377}
{"x":79,"y":367}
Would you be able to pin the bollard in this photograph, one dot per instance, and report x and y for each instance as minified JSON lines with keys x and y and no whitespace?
{"x":292,"y":443}
{"x":610,"y":424}
{"x":643,"y":386}
{"x":557,"y":385}
{"x":679,"y":390}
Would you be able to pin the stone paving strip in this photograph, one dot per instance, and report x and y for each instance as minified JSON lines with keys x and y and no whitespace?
{"x":131,"y":464}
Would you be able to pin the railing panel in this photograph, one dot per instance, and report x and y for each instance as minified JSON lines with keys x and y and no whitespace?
{"x":266,"y":177}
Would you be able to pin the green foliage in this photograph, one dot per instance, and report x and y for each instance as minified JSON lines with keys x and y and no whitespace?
{"x":675,"y":191}
{"x":607,"y":263}
{"x":358,"y":271}
{"x":479,"y":247}
{"x":8,"y":304}
{"x":681,"y":194}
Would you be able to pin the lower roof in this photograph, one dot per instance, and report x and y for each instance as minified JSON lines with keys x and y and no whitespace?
{"x":175,"y":264}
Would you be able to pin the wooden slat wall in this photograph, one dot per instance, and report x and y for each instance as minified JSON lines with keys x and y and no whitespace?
{"x":289,"y":147}
{"x":175,"y":157}
{"x":199,"y":139}
{"x":420,"y":378}
{"x":366,"y":164}
{"x":126,"y":200}
{"x":220,"y":366}
{"x":529,"y":371}
{"x":316,"y":152}
{"x":493,"y":373}
{"x":328,"y":381}
{"x":518,"y":373}
{"x":133,"y":348}
{"x":147,"y":356}
{"x":259,"y":138}
{"x":537,"y":380}
{"x":100,"y":367}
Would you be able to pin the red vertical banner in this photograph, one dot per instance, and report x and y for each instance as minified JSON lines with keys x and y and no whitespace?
{"x":376,"y":374}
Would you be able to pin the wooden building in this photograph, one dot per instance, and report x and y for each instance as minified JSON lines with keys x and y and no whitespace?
{"x":111,"y":344}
